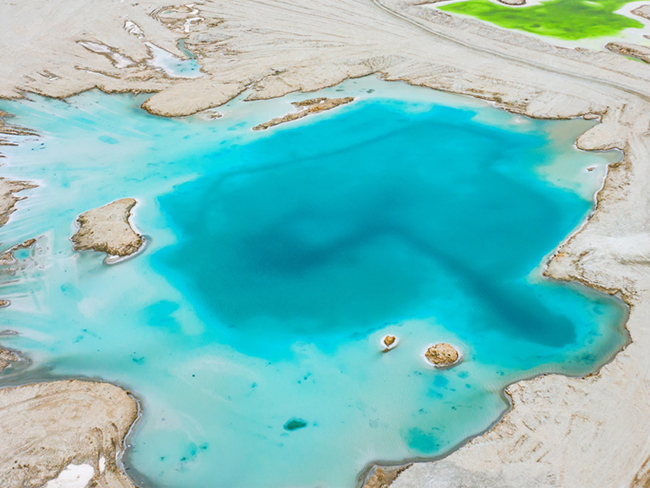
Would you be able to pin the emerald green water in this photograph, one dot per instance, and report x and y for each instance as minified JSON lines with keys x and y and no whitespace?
{"x":250,"y":326}
{"x":563,"y":19}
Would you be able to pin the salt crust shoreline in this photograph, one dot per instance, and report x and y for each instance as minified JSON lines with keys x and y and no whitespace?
{"x":561,"y":431}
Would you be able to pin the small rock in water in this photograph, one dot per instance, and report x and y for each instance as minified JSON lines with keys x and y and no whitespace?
{"x":388,"y":342}
{"x":442,"y":355}
{"x":295,"y":424}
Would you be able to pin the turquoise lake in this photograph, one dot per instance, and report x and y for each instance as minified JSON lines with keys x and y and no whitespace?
{"x":250,"y":326}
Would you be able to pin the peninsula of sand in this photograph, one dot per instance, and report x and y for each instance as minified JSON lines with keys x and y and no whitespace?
{"x":560,"y":432}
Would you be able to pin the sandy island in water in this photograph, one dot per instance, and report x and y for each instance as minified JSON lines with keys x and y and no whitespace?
{"x":568,"y":432}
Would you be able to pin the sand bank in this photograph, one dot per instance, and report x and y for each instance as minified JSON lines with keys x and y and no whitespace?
{"x":562,"y":431}
{"x":641,"y":53}
{"x":305,"y":108}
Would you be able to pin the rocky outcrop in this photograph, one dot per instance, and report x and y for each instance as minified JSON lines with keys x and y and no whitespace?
{"x":107,"y":229}
{"x":633,"y":50}
{"x":383,"y":477}
{"x":8,"y":197}
{"x":7,"y":357}
{"x":580,"y":432}
{"x":442,"y":355}
{"x":65,"y":427}
{"x":642,"y":11}
{"x":305,"y":108}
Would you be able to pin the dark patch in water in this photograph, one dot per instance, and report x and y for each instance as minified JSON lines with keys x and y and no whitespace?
{"x":295,"y":424}
{"x":421,"y":441}
{"x":108,"y":139}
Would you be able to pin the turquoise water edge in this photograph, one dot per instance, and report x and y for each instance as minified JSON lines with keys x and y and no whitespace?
{"x":277,"y":260}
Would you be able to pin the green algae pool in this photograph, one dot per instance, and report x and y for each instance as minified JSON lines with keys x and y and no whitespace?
{"x":564,"y":19}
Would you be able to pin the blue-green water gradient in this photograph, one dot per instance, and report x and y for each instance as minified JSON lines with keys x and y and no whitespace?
{"x":250,"y":325}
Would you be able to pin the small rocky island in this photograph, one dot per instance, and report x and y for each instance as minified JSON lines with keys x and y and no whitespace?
{"x":305,"y":108}
{"x":442,"y":355}
{"x":107,"y":229}
{"x":388,"y":342}
{"x":642,"y":53}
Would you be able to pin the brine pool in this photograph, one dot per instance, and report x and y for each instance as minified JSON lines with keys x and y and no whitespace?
{"x":277,"y":260}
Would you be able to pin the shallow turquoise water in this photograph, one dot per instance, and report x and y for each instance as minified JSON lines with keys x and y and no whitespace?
{"x":250,"y":326}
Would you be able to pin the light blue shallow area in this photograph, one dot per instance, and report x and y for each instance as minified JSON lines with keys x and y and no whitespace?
{"x":172,"y":65}
{"x":250,"y":326}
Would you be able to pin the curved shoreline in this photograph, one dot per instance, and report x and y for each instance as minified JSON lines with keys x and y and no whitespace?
{"x":546,"y":103}
{"x":509,"y":404}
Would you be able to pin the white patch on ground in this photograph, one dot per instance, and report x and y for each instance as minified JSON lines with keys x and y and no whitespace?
{"x":73,"y":476}
{"x":119,"y":60}
{"x":102,"y":464}
{"x":133,"y":29}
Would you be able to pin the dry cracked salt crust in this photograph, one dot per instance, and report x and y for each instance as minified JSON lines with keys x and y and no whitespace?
{"x":561,"y":432}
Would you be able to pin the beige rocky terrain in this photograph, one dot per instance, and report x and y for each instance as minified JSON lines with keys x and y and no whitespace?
{"x":7,"y":257}
{"x":561,"y":432}
{"x":53,"y":430}
{"x":442,"y":355}
{"x":7,"y":357}
{"x":383,"y":477}
{"x":107,"y":229}
{"x":63,"y":434}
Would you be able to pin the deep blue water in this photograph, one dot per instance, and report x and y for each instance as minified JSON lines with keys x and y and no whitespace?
{"x":250,"y":326}
{"x":342,"y":228}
